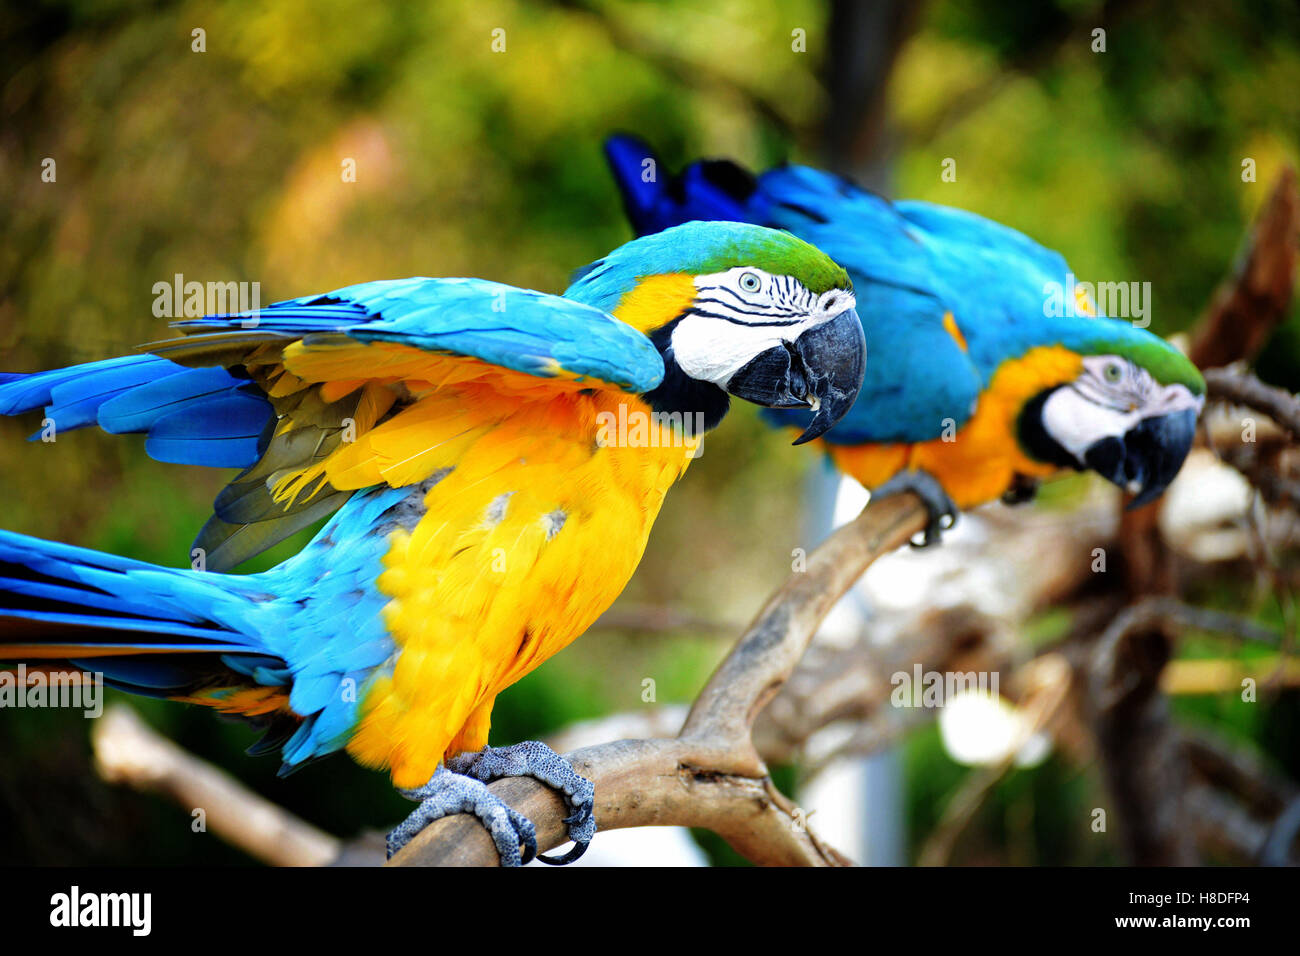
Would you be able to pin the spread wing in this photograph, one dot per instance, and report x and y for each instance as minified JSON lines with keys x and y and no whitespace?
{"x":318,"y":396}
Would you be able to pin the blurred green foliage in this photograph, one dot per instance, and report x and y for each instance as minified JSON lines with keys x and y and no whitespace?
{"x":225,"y":165}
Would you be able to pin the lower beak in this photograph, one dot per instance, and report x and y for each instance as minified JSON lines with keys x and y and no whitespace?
{"x":822,"y":369}
{"x":1148,"y":457}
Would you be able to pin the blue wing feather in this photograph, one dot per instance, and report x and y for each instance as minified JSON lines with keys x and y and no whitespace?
{"x":208,"y":416}
{"x":137,"y":409}
{"x":514,"y":328}
{"x":136,"y":393}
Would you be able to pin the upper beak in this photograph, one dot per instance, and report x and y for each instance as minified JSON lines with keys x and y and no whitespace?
{"x":822,"y":369}
{"x":1148,"y":457}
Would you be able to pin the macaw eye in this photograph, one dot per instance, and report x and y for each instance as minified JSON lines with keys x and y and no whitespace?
{"x":750,"y":282}
{"x":1112,"y":372}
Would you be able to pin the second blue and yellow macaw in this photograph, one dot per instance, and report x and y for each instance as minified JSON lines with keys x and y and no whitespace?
{"x":982,"y":380}
{"x":487,"y":507}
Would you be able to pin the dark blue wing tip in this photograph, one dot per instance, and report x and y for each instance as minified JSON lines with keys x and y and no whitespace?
{"x":626,"y":155}
{"x":618,"y":145}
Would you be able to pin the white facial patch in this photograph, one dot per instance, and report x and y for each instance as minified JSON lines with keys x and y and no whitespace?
{"x":1077,"y":422}
{"x":1109,"y":397}
{"x":743,"y":312}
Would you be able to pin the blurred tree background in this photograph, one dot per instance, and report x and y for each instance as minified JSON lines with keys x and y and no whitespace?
{"x":225,"y":165}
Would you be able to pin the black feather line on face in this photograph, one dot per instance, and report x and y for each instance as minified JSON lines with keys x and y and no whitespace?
{"x":744,"y":323}
{"x":1036,"y":440}
{"x":678,"y":392}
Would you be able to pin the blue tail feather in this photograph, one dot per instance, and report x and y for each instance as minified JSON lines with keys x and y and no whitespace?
{"x":58,"y":597}
{"x":201,"y":416}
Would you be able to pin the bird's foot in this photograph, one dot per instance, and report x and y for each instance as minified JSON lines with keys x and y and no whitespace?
{"x":448,"y":793}
{"x":942,"y":512}
{"x":536,"y":760}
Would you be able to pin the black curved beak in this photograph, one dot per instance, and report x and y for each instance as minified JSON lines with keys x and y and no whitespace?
{"x":1147,"y":459}
{"x":822,"y":369}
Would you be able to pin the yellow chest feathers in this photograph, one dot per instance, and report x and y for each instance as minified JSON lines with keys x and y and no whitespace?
{"x":977,"y":462}
{"x":533,"y":530}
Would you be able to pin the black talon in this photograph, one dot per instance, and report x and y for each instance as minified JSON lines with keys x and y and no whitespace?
{"x":577,"y":851}
{"x":938,"y":505}
{"x":527,"y":848}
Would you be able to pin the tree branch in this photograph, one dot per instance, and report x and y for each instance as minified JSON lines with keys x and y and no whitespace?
{"x":710,"y":775}
{"x":127,"y":750}
{"x":1252,"y":301}
{"x":1146,"y":771}
{"x":1243,"y":388}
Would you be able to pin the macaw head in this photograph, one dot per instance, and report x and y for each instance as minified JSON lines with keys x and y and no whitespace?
{"x":1129,"y":414}
{"x":739,"y":310}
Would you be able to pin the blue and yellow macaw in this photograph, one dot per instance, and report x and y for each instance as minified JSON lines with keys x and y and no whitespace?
{"x":490,"y":498}
{"x":980,"y":382}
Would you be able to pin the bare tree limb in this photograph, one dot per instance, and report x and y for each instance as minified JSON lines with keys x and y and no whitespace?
{"x":969,"y":624}
{"x":1228,"y":766}
{"x":128,"y":751}
{"x":1278,"y":844}
{"x":1243,"y":388}
{"x":1146,"y":766}
{"x":1255,"y":298}
{"x":1146,"y":771}
{"x":1240,"y":806}
{"x":710,"y":775}
{"x":1223,"y":825}
{"x":1165,"y":611}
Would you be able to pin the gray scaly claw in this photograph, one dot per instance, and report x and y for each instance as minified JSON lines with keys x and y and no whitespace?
{"x":536,"y":760}
{"x":942,"y":512}
{"x":449,"y":793}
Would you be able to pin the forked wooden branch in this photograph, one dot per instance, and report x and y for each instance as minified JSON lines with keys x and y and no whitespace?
{"x":710,"y":775}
